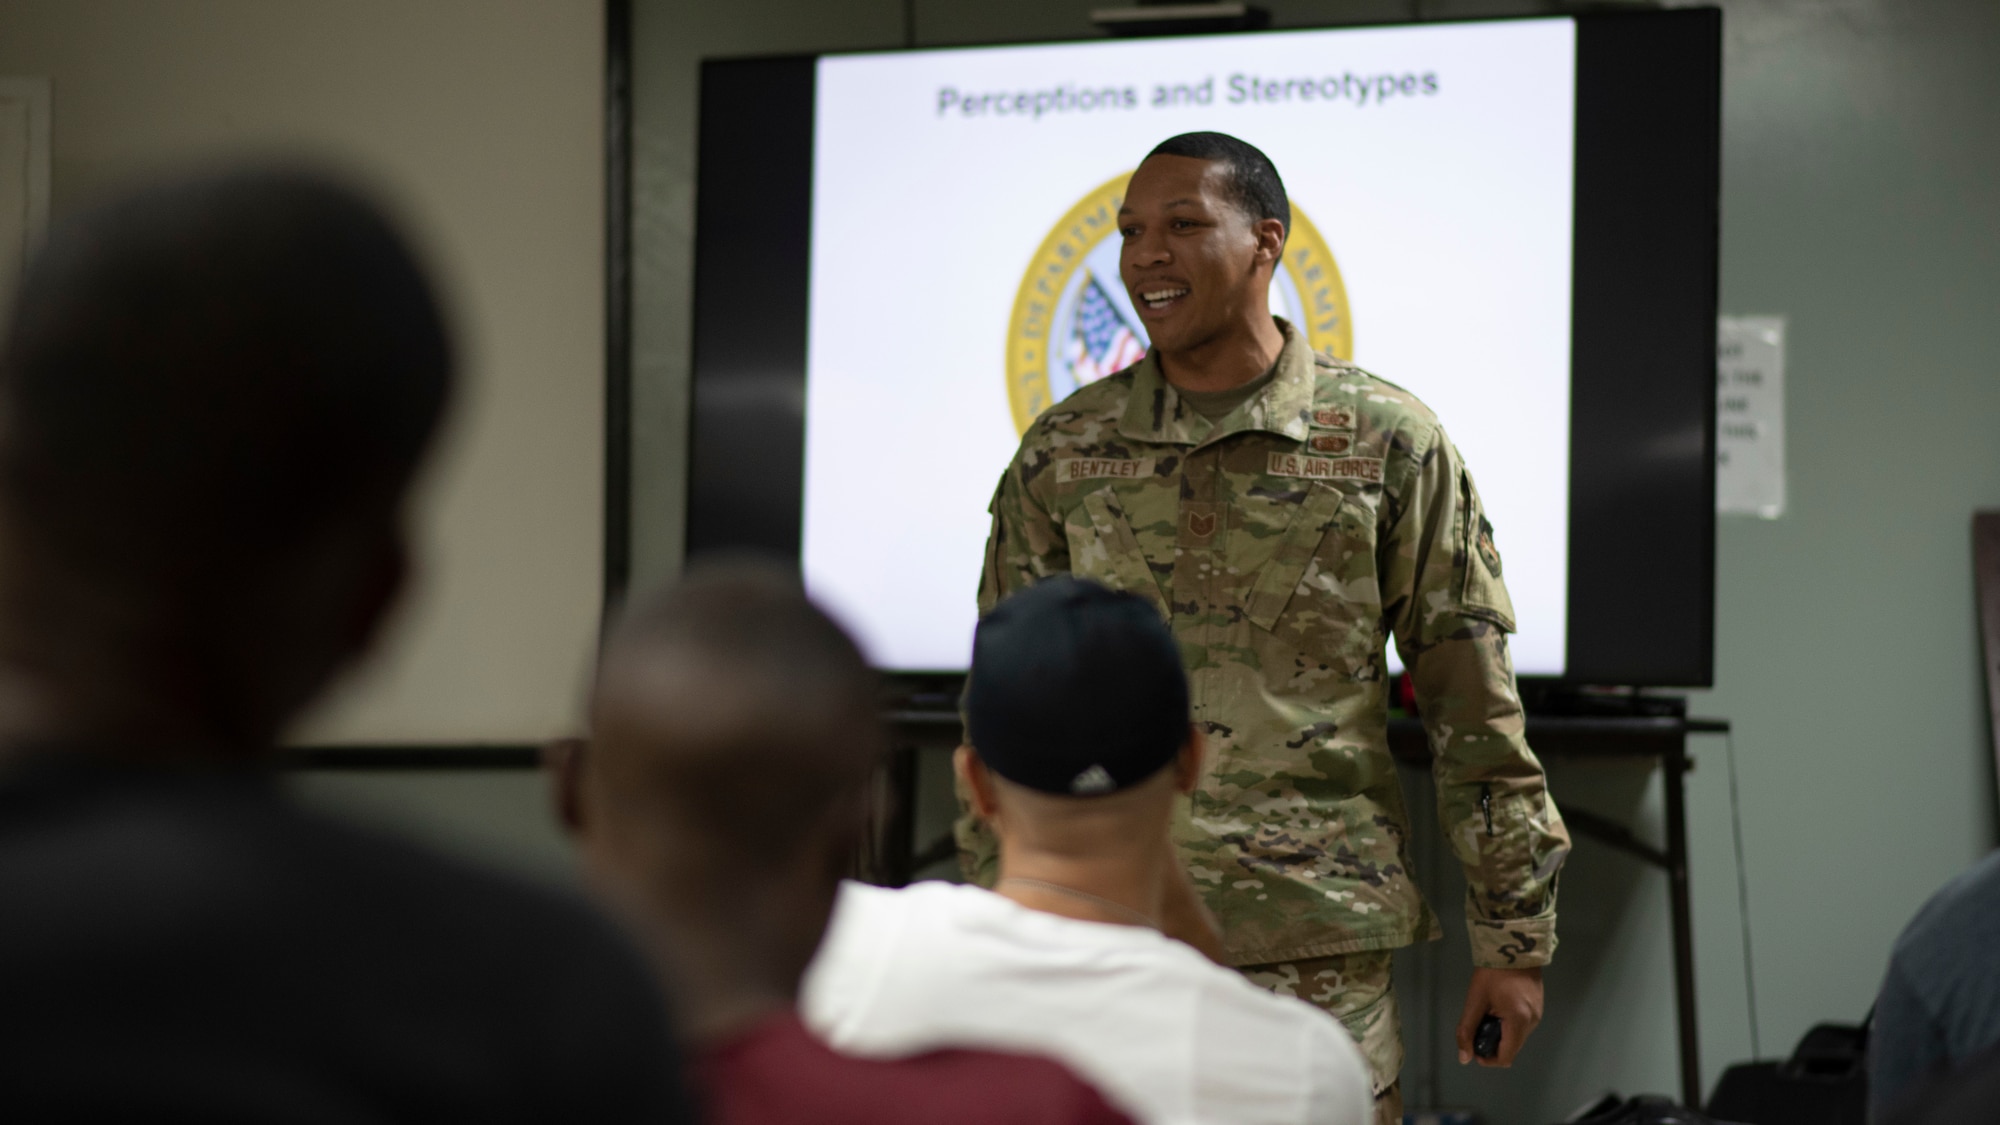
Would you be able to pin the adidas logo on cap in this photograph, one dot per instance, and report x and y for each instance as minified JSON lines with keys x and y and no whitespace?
{"x":1096,"y":779}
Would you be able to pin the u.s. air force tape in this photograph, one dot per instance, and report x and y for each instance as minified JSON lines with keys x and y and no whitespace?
{"x":1325,"y":468}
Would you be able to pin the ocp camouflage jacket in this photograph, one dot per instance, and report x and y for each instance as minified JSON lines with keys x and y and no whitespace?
{"x":1283,"y":543}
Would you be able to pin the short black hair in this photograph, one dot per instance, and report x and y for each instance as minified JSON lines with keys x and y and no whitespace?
{"x":210,"y":369}
{"x":1253,"y":180}
{"x":766,"y":712}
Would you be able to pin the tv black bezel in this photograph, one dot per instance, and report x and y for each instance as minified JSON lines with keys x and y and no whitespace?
{"x":1641,"y":594}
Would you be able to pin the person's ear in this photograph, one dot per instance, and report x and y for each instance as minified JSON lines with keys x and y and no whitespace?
{"x":1270,"y":240}
{"x":1187,"y":764}
{"x":976,"y":782}
{"x":563,"y":761}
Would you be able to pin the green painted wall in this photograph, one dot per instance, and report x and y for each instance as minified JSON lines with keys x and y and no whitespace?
{"x":1861,"y":154}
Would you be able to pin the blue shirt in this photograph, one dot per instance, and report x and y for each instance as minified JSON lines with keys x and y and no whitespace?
{"x":1940,"y":1000}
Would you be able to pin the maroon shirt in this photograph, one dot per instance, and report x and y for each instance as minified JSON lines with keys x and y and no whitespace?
{"x":778,"y":1073}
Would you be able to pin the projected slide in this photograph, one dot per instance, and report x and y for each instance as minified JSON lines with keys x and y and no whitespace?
{"x":964,"y":276}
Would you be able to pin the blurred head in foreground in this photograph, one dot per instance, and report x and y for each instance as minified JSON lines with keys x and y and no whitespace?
{"x":1077,"y":723}
{"x":213,"y":395}
{"x":734,"y":733}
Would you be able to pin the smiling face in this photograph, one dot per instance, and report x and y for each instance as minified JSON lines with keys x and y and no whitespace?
{"x":1197,"y":266}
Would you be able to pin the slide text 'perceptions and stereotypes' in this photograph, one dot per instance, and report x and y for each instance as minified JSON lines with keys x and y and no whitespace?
{"x":1238,"y":89}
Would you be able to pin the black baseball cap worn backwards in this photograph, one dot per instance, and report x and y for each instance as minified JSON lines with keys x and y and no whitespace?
{"x":1075,"y":689}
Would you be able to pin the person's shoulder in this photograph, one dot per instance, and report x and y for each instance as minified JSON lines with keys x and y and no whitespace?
{"x":459,"y":898}
{"x":256,"y":921}
{"x":858,"y":905}
{"x":1965,"y":1095}
{"x":380,"y":870}
{"x":1297,"y":1042}
{"x":1257,"y":1044}
{"x":1966,"y":905}
{"x":865,"y":907}
{"x":857,"y":897}
{"x":538,"y":961}
{"x":1375,"y":402}
{"x":1089,"y":409}
{"x":231,"y":853}
{"x":871,"y":927}
{"x":924,"y":894}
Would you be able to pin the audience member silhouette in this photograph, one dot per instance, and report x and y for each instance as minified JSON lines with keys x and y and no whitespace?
{"x":1939,"y":1004}
{"x":213,"y":395}
{"x":735,"y":735}
{"x":1967,"y":1095}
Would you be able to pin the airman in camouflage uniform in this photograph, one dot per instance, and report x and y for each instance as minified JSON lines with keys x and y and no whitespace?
{"x":1285,"y":542}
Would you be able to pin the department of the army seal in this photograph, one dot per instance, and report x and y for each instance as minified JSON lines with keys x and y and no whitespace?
{"x":1073,"y":323}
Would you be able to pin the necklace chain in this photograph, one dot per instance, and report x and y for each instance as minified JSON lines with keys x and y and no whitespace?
{"x":1058,"y":888}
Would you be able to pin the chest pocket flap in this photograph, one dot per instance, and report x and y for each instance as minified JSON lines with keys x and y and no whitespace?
{"x":1295,"y":552}
{"x":1102,"y":547}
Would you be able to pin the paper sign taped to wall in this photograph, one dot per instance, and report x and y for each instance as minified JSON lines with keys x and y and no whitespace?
{"x":1750,"y":416}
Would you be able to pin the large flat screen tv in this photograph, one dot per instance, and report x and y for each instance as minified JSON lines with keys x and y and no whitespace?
{"x":903,"y":257}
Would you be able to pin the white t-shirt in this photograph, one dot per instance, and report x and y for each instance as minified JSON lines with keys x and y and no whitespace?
{"x":1170,"y":1036}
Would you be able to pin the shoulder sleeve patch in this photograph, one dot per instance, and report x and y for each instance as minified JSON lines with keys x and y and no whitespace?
{"x":1483,"y":594}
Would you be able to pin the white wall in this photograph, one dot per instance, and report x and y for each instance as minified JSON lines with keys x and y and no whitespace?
{"x":481,"y":122}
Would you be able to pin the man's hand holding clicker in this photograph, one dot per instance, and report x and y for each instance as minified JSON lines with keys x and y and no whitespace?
{"x":1514,"y":995}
